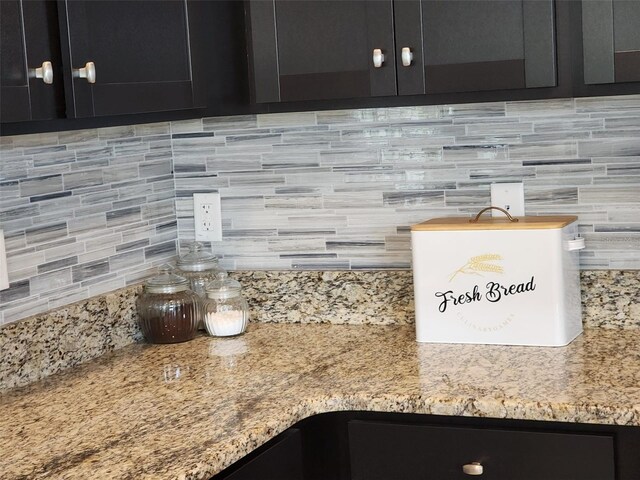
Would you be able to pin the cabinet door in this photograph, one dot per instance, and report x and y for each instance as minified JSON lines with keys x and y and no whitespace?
{"x":611,"y":41}
{"x":141,"y":53}
{"x":386,"y":451}
{"x":466,"y":45}
{"x":29,"y":38}
{"x":316,"y":50}
{"x":281,"y":461}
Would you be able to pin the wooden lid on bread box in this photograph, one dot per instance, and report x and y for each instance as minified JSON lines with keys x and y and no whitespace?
{"x":495,"y":223}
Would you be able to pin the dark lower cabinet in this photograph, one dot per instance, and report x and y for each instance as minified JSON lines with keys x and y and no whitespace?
{"x":281,"y":459}
{"x":393,"y":446}
{"x":387,"y":451}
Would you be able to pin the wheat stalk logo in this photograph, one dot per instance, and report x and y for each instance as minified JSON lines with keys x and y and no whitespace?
{"x":479,"y":264}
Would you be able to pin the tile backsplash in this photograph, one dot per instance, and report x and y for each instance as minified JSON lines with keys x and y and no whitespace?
{"x":335,"y":190}
{"x":90,"y":211}
{"x":83,"y":213}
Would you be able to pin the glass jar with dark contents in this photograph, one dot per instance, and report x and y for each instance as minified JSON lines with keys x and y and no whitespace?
{"x":167,"y":309}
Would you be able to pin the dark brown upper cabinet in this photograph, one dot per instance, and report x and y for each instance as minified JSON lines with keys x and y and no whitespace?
{"x":84,"y":59}
{"x":316,"y":50}
{"x":30,"y":73}
{"x":127,"y":57}
{"x":469,"y":46}
{"x":321,"y":49}
{"x":611,"y":41}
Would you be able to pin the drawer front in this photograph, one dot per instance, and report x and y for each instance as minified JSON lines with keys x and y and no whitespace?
{"x":387,"y":451}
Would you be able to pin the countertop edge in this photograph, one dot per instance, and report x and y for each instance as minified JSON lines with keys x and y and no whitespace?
{"x":494,"y":408}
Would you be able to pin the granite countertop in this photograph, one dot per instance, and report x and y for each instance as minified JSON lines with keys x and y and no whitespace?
{"x":191,"y":409}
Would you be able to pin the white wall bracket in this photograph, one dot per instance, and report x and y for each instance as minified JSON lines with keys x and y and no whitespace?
{"x":4,"y":269}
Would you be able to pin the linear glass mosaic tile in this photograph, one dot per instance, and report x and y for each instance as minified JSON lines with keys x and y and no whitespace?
{"x":89,"y":211}
{"x":383,"y":169}
{"x":84,"y":213}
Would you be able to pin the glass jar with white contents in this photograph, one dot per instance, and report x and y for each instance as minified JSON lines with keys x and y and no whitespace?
{"x":226,"y":312}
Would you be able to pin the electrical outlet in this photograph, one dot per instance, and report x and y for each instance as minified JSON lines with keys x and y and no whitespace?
{"x":509,"y":196}
{"x":4,"y":270}
{"x":207,"y":216}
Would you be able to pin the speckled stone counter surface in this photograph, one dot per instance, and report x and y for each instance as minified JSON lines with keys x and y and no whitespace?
{"x":611,"y":298}
{"x":47,"y":343}
{"x":188,"y":410}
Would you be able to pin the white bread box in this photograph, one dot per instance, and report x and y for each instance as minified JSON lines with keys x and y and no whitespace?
{"x":497,"y":280}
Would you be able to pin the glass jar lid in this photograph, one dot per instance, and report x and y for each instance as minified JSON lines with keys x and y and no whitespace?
{"x":197,"y":260}
{"x":166,"y":282}
{"x":223,"y":287}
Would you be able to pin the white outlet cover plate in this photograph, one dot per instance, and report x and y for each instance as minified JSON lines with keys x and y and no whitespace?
{"x":207,"y":216}
{"x":509,"y":196}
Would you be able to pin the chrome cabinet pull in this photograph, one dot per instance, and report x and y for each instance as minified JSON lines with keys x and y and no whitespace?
{"x":473,"y":468}
{"x":45,"y":72}
{"x":88,"y":72}
{"x":407,"y":56}
{"x":378,"y":58}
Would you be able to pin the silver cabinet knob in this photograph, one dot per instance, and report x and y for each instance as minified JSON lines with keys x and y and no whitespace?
{"x":45,"y":72}
{"x":407,"y":56}
{"x":473,"y":468}
{"x":378,"y":58}
{"x":88,"y":72}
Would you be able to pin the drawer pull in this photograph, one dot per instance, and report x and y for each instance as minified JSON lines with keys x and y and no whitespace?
{"x":473,"y":468}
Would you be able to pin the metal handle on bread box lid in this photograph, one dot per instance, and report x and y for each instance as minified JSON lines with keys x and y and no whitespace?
{"x":477,"y":217}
